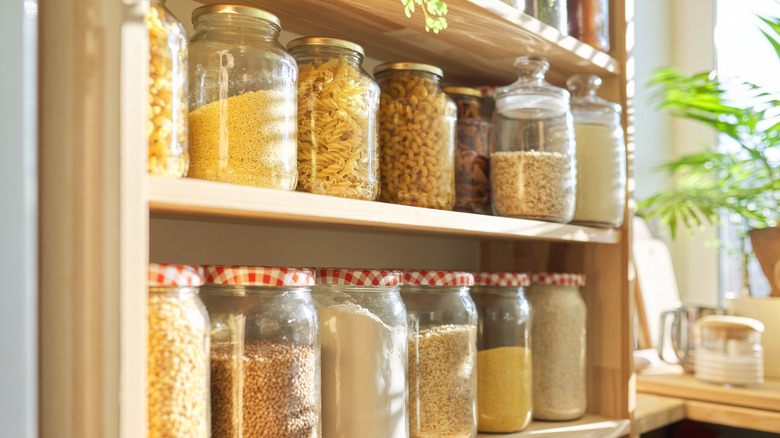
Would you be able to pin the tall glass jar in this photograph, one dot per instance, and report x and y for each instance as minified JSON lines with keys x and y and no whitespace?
{"x":178,"y":356}
{"x":533,"y":165}
{"x":442,"y":354}
{"x":551,"y":12}
{"x":559,"y":343}
{"x":504,"y":357}
{"x":472,"y":187}
{"x":601,"y":155}
{"x":589,"y":22}
{"x":167,"y":108}
{"x":338,"y":143}
{"x":416,"y":136}
{"x":243,"y":99}
{"x":363,"y":353}
{"x":265,"y":352}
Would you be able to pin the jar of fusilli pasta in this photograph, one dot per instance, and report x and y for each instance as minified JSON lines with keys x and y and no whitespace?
{"x":337,"y":122}
{"x":416,"y":136}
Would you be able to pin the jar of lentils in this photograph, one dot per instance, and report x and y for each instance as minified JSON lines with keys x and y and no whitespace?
{"x":338,"y":144}
{"x":265,"y":352}
{"x":178,"y":361}
{"x":416,"y":136}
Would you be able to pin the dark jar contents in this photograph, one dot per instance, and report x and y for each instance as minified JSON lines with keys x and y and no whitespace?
{"x":472,"y":184}
{"x":589,"y":22}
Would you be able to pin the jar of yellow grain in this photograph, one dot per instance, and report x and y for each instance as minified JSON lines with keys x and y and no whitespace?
{"x":243,"y":99}
{"x":337,"y":119}
{"x":167,"y":110}
{"x":178,"y":361}
{"x":504,"y":351}
{"x":417,"y":136}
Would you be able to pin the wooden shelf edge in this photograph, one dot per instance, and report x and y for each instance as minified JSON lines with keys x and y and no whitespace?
{"x":733,"y":416}
{"x":196,"y":199}
{"x":654,"y":412}
{"x":589,"y":426}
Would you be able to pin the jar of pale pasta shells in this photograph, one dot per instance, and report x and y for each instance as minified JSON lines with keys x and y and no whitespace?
{"x":532,"y":165}
{"x":416,"y":136}
{"x":337,"y":119}
{"x":243,"y":99}
{"x":167,"y":107}
{"x":442,"y":322}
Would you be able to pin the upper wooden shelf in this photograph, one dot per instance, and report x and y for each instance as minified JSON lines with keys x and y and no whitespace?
{"x":196,"y":199}
{"x":479,"y":46}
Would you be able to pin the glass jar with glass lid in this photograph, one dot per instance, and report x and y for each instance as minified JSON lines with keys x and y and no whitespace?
{"x":243,"y":99}
{"x":338,"y":149}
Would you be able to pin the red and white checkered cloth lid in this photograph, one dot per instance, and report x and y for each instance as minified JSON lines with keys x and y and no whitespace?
{"x":439,"y":278}
{"x":175,"y":275}
{"x":259,"y":276}
{"x":359,"y":277}
{"x":501,"y":279}
{"x":557,"y":278}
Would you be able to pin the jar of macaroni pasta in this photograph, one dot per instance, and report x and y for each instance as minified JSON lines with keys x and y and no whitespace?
{"x":265,"y":352}
{"x":442,"y":354}
{"x":338,"y":144}
{"x":472,"y":187}
{"x":178,"y":353}
{"x":167,"y":107}
{"x":364,"y":353}
{"x":504,"y":351}
{"x":559,"y":343}
{"x":243,"y":99}
{"x":416,"y":136}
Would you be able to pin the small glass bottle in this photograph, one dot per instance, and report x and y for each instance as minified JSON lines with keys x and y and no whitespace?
{"x":601,"y":155}
{"x":589,"y":22}
{"x":532,"y":163}
{"x":243,"y":99}
{"x":167,"y":109}
{"x":559,"y":344}
{"x":472,"y":187}
{"x":178,"y":356}
{"x":364,"y":353}
{"x":442,"y":354}
{"x":416,"y":136}
{"x":504,"y":357}
{"x":265,"y":352}
{"x":338,"y":144}
{"x":551,"y":12}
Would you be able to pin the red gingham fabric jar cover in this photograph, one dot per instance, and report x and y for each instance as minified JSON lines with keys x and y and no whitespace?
{"x":359,"y":277}
{"x":259,"y":276}
{"x":501,"y":279}
{"x":438,"y":278}
{"x":175,"y":275}
{"x":557,"y":278}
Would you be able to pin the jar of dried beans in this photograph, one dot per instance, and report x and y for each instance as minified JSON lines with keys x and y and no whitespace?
{"x":532,"y":164}
{"x":265,"y":351}
{"x":504,"y":351}
{"x":338,"y":144}
{"x":178,"y":361}
{"x":364,"y":353}
{"x":243,"y":99}
{"x":167,"y":107}
{"x":442,"y":354}
{"x":559,"y":342}
{"x":416,"y":136}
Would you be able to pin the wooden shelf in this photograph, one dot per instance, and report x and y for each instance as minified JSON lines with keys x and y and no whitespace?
{"x":479,"y":46}
{"x":655,"y":411}
{"x":589,"y":426}
{"x":197,"y":199}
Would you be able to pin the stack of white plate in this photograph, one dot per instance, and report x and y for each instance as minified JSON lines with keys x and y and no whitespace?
{"x":729,"y":370}
{"x":729,"y":351}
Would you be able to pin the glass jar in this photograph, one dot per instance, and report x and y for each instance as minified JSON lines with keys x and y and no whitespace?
{"x":551,"y":12}
{"x":265,"y":352}
{"x":243,"y":99}
{"x":167,"y":108}
{"x":730,"y":351}
{"x":442,"y":354}
{"x":558,"y":335}
{"x":532,"y":163}
{"x":178,"y":355}
{"x":364,"y":355}
{"x":504,"y":351}
{"x":472,"y":187}
{"x":601,"y":155}
{"x":589,"y":22}
{"x":416,"y":136}
{"x":338,"y":143}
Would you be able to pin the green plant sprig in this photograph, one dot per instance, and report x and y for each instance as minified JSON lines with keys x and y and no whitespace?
{"x":433,"y":10}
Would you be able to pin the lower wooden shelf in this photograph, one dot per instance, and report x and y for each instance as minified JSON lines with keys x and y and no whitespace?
{"x":589,"y":426}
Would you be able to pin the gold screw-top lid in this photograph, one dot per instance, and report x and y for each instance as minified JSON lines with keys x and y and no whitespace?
{"x":235,"y":9}
{"x":466,"y":91}
{"x":409,"y":66}
{"x":324,"y":41}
